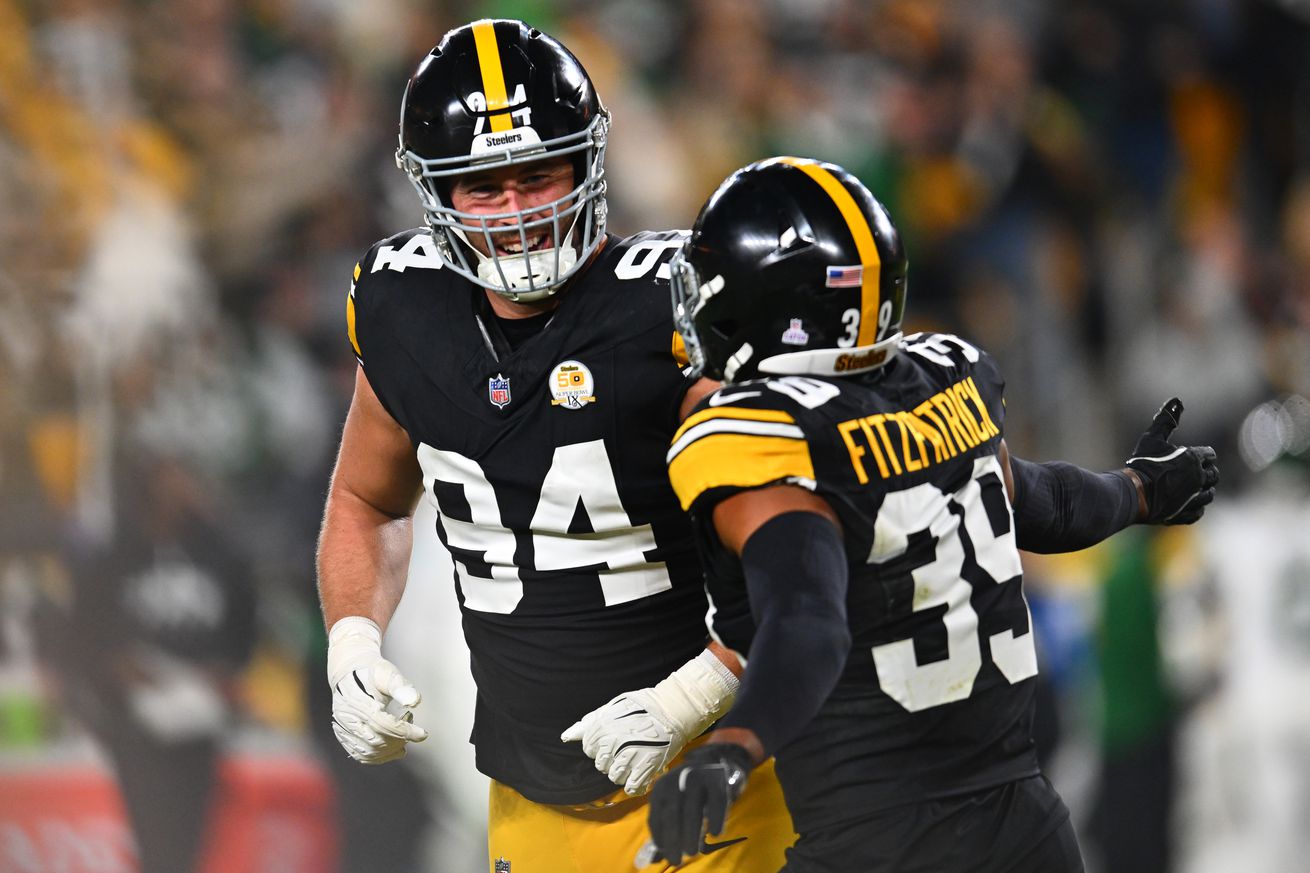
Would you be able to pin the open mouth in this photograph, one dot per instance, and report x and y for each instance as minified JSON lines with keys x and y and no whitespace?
{"x":512,"y":244}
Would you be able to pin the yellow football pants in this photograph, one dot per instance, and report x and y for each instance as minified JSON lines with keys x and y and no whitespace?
{"x":527,"y":837}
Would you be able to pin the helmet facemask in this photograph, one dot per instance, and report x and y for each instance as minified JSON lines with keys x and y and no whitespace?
{"x":575,"y":222}
{"x":685,"y":285}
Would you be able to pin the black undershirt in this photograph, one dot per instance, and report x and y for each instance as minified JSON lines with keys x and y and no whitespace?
{"x":517,"y":331}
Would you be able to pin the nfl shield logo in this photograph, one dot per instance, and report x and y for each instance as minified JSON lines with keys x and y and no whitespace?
{"x":498,"y":393}
{"x":502,"y":866}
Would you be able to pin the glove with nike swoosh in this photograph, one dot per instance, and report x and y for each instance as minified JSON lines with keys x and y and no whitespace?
{"x":363,"y":685}
{"x":635,"y":736}
{"x":693,"y":799}
{"x":1177,"y":481}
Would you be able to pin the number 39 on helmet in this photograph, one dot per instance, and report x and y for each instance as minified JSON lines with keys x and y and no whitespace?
{"x":792,"y":267}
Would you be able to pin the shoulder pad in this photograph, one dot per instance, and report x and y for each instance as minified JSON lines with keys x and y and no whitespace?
{"x":646,"y":236}
{"x":944,"y":349}
{"x":410,"y":249}
{"x":645,"y":255}
{"x":739,"y":437}
{"x":389,"y":263}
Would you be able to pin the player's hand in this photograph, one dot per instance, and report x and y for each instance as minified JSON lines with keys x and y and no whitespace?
{"x":363,"y":685}
{"x":1177,"y":481}
{"x":693,"y":799}
{"x":630,"y":738}
{"x":635,"y":736}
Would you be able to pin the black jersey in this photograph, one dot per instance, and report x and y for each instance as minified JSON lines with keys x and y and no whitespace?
{"x":934,"y":698}
{"x":575,"y":568}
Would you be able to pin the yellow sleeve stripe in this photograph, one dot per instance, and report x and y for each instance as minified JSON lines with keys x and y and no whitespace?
{"x":720,"y":412}
{"x":350,"y":326}
{"x":493,"y":75}
{"x":688,"y":435}
{"x":350,"y":316}
{"x":864,"y":244}
{"x":737,"y":459}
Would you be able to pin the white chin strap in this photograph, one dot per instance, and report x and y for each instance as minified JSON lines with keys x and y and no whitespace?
{"x":526,"y":277}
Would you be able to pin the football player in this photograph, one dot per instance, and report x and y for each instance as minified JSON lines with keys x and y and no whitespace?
{"x":519,"y":369}
{"x":861,"y":521}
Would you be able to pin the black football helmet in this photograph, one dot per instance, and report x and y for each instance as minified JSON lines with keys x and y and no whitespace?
{"x":494,"y":94}
{"x":792,"y":267}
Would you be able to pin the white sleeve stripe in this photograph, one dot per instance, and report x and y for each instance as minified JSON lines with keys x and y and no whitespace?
{"x":735,"y":425}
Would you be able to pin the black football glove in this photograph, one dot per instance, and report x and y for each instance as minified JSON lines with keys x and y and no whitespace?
{"x":1178,"y":481}
{"x":692,"y":800}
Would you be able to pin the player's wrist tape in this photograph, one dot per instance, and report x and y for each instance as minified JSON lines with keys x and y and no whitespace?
{"x":348,"y":639}
{"x":697,"y":693}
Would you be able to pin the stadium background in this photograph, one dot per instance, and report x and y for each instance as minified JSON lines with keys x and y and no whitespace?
{"x":1112,"y":197}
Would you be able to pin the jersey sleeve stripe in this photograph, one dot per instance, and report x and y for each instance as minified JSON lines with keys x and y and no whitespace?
{"x":864,"y":244}
{"x":738,"y":426}
{"x":726,"y":458}
{"x":720,"y":412}
{"x":493,"y":75}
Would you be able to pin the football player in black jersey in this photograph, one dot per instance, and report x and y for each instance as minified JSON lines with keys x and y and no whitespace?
{"x":860,"y":521}
{"x":519,"y":369}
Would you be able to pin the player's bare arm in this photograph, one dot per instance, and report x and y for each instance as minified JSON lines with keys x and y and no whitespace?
{"x":363,"y":551}
{"x":695,"y":393}
{"x":365,"y":540}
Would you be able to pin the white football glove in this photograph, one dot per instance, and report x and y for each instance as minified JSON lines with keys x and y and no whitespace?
{"x":635,"y":736}
{"x":363,"y":684}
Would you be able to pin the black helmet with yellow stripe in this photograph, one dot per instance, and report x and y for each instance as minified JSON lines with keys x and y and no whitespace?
{"x":496,"y":93}
{"x":792,"y":267}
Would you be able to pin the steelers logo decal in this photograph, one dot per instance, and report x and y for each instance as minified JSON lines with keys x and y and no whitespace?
{"x":571,"y":385}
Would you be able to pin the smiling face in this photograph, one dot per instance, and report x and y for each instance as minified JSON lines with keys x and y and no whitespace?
{"x":507,"y":190}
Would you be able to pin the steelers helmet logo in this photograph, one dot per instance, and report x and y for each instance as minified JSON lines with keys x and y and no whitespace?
{"x":571,"y":385}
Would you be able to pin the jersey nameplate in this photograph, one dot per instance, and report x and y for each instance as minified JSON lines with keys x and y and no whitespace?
{"x":951,"y":421}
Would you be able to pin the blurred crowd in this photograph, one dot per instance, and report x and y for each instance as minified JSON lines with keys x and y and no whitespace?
{"x":1111,"y":196}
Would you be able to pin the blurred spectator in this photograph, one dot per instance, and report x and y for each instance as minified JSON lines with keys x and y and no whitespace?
{"x":1155,"y":601}
{"x":1131,"y":821}
{"x":160,"y":620}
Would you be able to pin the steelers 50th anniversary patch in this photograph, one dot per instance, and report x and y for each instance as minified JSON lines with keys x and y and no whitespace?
{"x":571,"y":385}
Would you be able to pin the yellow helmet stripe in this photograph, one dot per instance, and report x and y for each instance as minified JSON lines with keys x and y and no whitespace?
{"x":493,"y":75}
{"x":864,"y":244}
